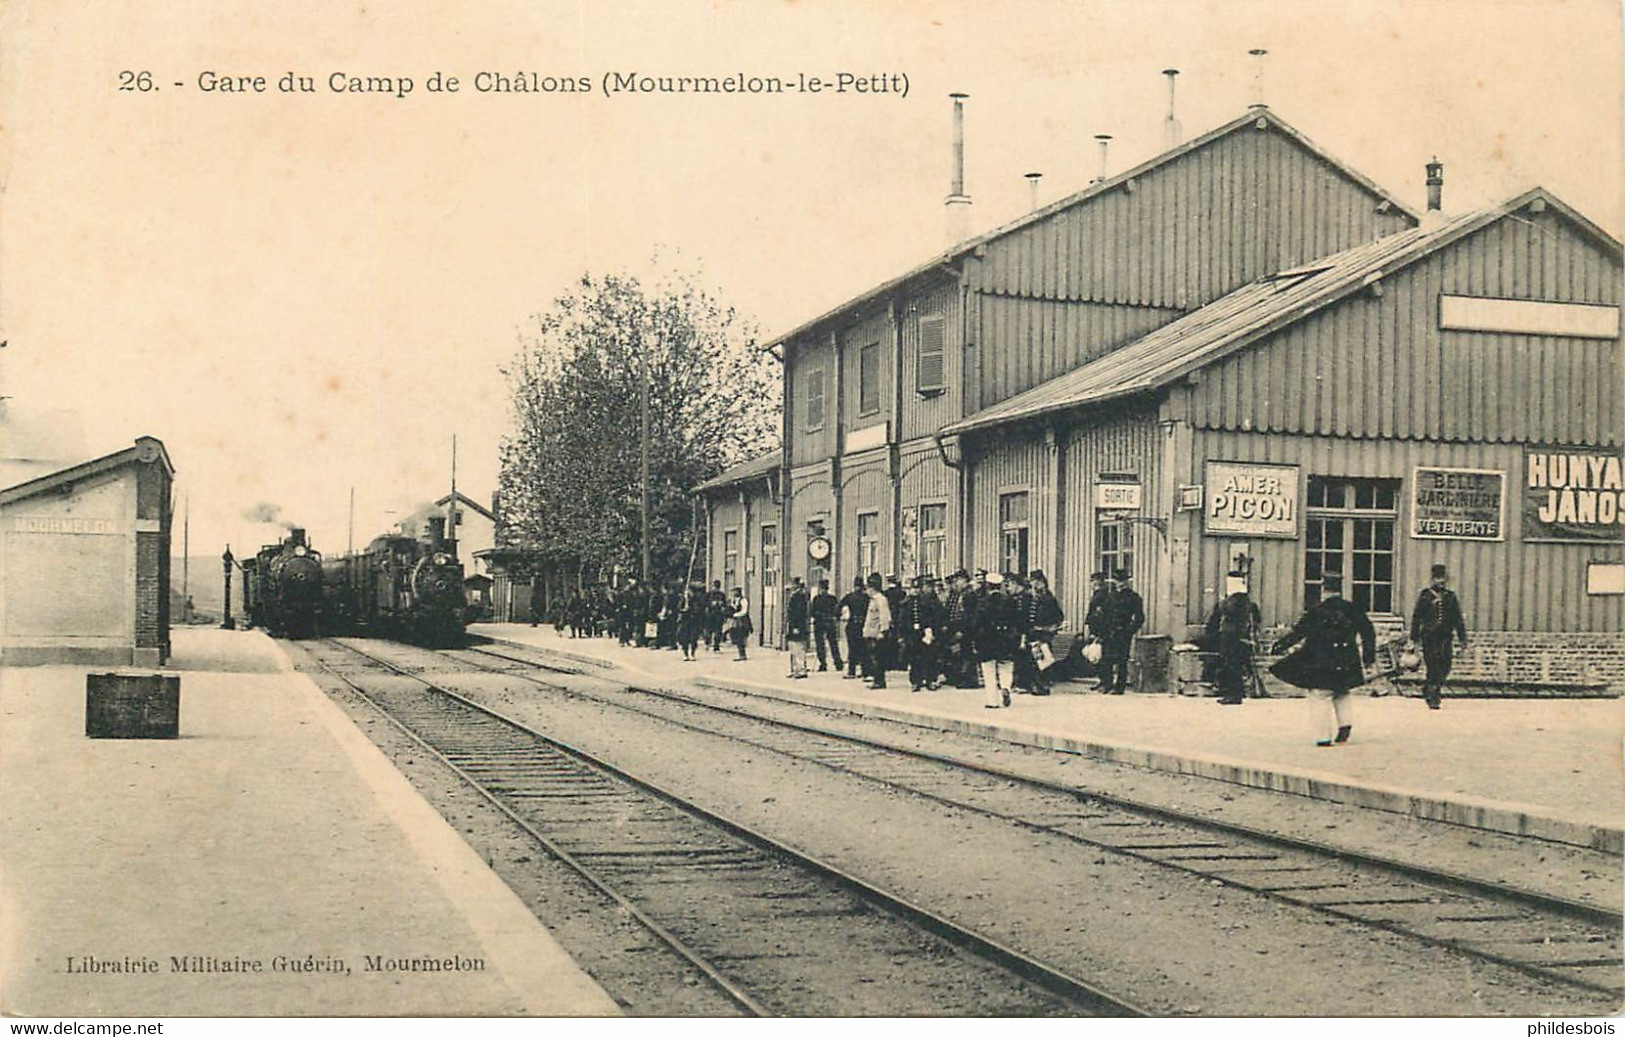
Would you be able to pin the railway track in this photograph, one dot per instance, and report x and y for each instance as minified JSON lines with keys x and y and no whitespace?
{"x":1551,"y":938}
{"x":771,"y":930}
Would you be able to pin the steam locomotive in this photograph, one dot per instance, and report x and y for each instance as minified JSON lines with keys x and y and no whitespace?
{"x":282,"y":588}
{"x":401,"y":588}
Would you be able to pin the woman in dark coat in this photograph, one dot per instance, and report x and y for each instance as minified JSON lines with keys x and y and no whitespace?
{"x":1329,"y":660}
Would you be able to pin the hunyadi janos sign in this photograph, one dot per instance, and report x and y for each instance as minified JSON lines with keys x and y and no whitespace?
{"x":1572,"y":494}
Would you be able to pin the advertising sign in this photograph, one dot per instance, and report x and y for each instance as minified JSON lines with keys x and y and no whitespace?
{"x":1250,"y":500}
{"x":1458,"y":504}
{"x":1573,"y":494}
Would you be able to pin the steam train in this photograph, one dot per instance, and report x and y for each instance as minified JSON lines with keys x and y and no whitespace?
{"x":400,"y":587}
{"x":282,"y":587}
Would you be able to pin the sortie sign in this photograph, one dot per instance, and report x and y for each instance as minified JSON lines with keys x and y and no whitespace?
{"x":1254,"y":500}
{"x":1458,"y":504}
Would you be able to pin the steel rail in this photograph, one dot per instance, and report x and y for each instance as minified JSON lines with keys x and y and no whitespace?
{"x":722,"y":984}
{"x":1047,"y":977}
{"x":1543,"y":902}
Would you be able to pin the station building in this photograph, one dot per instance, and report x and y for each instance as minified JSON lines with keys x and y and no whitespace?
{"x":1239,"y":352}
{"x":84,"y":562}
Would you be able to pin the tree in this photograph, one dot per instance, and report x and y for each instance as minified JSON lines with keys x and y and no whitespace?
{"x":570,"y":482}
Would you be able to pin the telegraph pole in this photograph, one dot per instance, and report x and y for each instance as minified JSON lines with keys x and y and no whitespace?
{"x":643,"y":445}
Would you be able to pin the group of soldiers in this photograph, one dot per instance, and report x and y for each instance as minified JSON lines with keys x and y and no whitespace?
{"x":992,"y":630}
{"x":996,"y":631}
{"x":679,"y":615}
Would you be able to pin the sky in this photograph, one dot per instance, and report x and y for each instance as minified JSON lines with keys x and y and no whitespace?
{"x":305,"y":293}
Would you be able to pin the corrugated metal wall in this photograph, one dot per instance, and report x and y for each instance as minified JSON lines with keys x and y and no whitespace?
{"x":1028,"y":341}
{"x":1250,"y":203}
{"x":926,"y":479}
{"x":1118,"y":441}
{"x":1503,"y":586}
{"x":812,"y":497}
{"x":923,"y":415}
{"x":866,"y":487}
{"x":1007,"y":462}
{"x":876,"y":328}
{"x":1381,"y":366}
{"x":807,"y":354}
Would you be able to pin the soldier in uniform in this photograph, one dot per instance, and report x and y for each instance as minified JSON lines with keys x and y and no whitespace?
{"x":1329,"y":660}
{"x":825,"y":612}
{"x":920,"y":623}
{"x":957,"y":655}
{"x":1122,"y":616}
{"x":1435,"y":621}
{"x":716,"y":615}
{"x":1230,"y":632}
{"x":1044,"y":617}
{"x":797,"y":627}
{"x":853,"y":609}
{"x":996,"y":634}
{"x":877,"y":627}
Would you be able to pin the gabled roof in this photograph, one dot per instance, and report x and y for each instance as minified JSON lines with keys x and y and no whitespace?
{"x":1248,"y":120}
{"x":756,"y":468}
{"x":1248,"y":314}
{"x":146,"y":449}
{"x":472,"y":505}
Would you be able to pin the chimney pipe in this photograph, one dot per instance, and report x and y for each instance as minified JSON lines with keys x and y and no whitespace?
{"x":958,"y":202}
{"x":1032,"y":183}
{"x":1258,"y":77}
{"x":1105,"y":139}
{"x":1435,"y":184}
{"x":1170,"y":125}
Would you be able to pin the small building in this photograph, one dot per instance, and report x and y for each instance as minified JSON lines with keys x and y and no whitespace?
{"x":742,"y":546}
{"x":472,"y":525}
{"x":84,"y":562}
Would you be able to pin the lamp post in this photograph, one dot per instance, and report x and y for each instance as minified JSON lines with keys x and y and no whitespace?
{"x":226,"y":563}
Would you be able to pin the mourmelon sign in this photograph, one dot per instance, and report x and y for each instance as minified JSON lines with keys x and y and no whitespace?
{"x":1254,"y":500}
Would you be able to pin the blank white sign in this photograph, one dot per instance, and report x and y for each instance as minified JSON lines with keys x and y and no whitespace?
{"x":1528,"y":317}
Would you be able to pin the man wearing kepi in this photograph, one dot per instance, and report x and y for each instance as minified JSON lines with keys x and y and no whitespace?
{"x":797,"y":627}
{"x":1230,"y":632}
{"x":1435,"y":620}
{"x":1123,"y":614}
{"x":1329,"y":660}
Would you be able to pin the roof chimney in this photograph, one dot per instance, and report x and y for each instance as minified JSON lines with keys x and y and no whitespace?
{"x":1170,"y":125}
{"x":1032,"y":182}
{"x":1435,"y":184}
{"x":958,"y":202}
{"x":1258,"y":77}
{"x":1105,"y":140}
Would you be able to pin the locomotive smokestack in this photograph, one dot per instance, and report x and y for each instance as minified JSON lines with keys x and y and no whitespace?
{"x":437,"y":531}
{"x":296,"y":536}
{"x":958,"y":202}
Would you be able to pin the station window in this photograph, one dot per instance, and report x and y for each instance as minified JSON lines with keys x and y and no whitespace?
{"x":933,"y":539}
{"x":1349,"y":531}
{"x":730,"y":559}
{"x":929,"y":375}
{"x":1114,"y":542}
{"x":814,"y":416}
{"x":1013,"y":532}
{"x":868,"y":543}
{"x":869,"y":379}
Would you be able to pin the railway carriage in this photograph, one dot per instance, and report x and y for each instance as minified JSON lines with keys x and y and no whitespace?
{"x":399,"y":587}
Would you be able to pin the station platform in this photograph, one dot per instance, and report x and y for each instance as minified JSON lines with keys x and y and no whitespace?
{"x":251,"y":867}
{"x":1549,"y":768}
